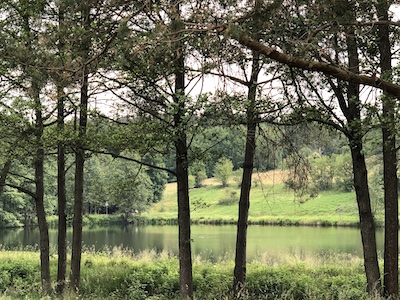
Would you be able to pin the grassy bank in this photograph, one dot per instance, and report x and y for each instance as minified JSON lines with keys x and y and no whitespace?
{"x":117,"y":274}
{"x":271,"y":203}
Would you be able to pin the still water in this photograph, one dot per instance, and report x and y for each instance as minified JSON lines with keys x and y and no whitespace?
{"x":209,"y":241}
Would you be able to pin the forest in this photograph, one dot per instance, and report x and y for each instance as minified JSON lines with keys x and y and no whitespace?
{"x":105,"y":101}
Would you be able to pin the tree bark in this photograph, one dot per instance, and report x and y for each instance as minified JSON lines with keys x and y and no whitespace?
{"x":62,"y":200}
{"x":239,"y":274}
{"x":44,"y":242}
{"x":61,"y":185}
{"x":367,"y":223}
{"x":353,"y":115}
{"x":4,"y":174}
{"x":182,"y":176}
{"x":185,"y":251}
{"x":75,"y":274}
{"x":390,"y":180}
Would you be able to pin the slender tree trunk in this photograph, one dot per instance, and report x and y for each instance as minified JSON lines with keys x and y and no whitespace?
{"x":185,"y":252}
{"x":351,"y":108}
{"x":353,"y":115}
{"x":44,"y":242}
{"x":182,"y":176}
{"x":75,"y":274}
{"x":61,"y":189}
{"x":367,"y":223}
{"x":239,"y":274}
{"x":62,"y":200}
{"x":78,"y":191}
{"x":390,"y":180}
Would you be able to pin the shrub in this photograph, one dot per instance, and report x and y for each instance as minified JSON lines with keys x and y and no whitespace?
{"x":231,"y":198}
{"x":223,"y":170}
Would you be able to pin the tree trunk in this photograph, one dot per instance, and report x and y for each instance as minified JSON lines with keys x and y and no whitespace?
{"x":62,"y":200}
{"x":44,"y":242}
{"x":239,"y":274}
{"x":390,"y":180}
{"x":182,"y":176}
{"x":4,"y":174}
{"x":61,"y":185}
{"x":80,"y":158}
{"x":78,"y":191}
{"x":77,"y":221}
{"x":353,"y":114}
{"x":367,"y":224}
{"x":185,"y":251}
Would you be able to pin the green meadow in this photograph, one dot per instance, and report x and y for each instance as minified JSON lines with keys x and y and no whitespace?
{"x":271,"y":203}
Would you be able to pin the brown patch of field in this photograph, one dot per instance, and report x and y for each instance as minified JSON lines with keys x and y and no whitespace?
{"x":267,"y":178}
{"x":271,"y":177}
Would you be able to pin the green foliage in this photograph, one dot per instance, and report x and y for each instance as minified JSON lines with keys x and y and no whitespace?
{"x":223,"y":170}
{"x":118,"y":274}
{"x":198,"y":172}
{"x":129,"y":187}
{"x":322,"y":173}
{"x":343,"y":172}
{"x":215,"y":142}
{"x":230,"y":198}
{"x":317,"y":173}
{"x":157,"y":177}
{"x":375,"y":183}
{"x":8,"y":219}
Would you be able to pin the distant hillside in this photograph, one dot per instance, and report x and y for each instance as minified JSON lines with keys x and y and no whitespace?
{"x":271,"y":203}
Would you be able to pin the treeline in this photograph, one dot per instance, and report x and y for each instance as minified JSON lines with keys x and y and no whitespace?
{"x":116,"y":182}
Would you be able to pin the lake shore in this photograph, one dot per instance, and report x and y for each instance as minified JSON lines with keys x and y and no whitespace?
{"x":118,"y":274}
{"x":119,"y":219}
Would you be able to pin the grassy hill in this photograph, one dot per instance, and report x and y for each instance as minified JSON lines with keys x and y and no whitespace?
{"x":271,"y":203}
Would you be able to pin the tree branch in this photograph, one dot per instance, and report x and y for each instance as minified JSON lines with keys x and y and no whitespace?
{"x":316,"y":66}
{"x":116,"y":155}
{"x":22,"y":190}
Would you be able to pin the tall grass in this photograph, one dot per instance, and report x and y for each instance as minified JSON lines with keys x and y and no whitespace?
{"x":117,"y":273}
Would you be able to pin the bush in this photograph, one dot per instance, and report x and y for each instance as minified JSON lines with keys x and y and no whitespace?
{"x":223,"y":170}
{"x":230,"y":199}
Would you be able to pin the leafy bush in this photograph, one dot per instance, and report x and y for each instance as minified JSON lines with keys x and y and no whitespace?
{"x":223,"y":170}
{"x":231,"y":198}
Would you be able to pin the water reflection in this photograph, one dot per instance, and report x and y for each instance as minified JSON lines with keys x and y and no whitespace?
{"x":209,"y":241}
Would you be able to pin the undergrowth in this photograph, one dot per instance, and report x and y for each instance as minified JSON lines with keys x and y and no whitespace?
{"x":119,"y":274}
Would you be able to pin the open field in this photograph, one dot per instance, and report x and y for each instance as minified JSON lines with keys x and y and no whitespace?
{"x":271,"y":203}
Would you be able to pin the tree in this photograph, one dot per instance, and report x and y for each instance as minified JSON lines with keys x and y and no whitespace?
{"x":27,"y":57}
{"x":223,"y":171}
{"x":129,"y":188}
{"x":198,"y":171}
{"x":80,"y":148}
{"x":61,"y":169}
{"x":391,"y":251}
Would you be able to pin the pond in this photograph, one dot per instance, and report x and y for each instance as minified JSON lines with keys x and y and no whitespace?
{"x":209,"y":241}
